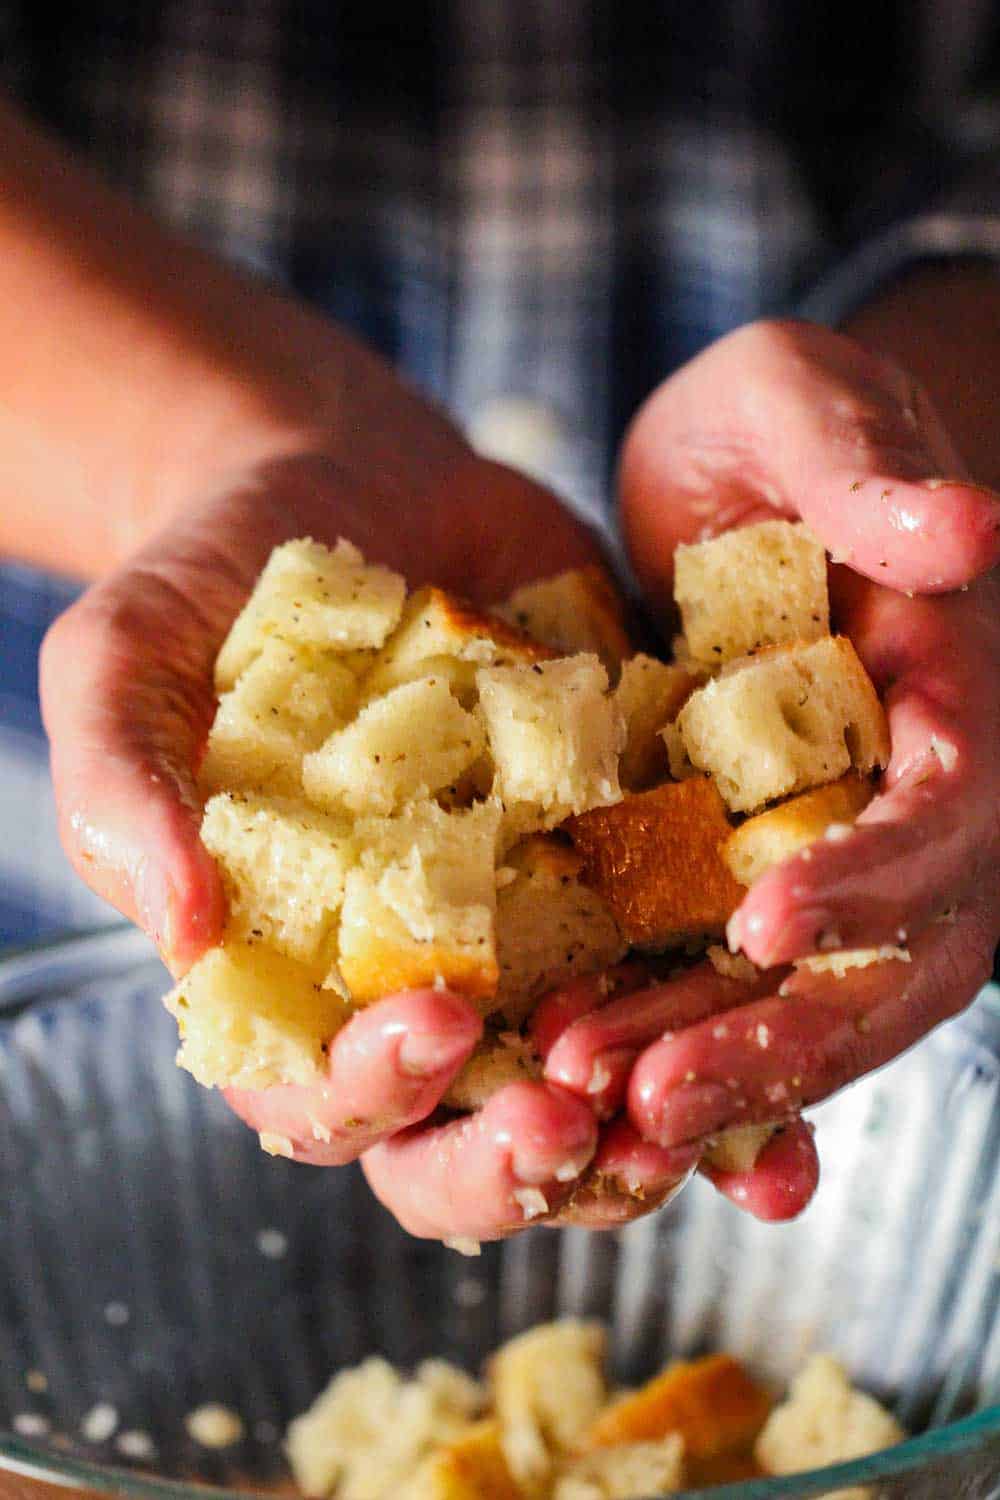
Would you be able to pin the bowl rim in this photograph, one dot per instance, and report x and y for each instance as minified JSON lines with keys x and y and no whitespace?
{"x":122,"y":946}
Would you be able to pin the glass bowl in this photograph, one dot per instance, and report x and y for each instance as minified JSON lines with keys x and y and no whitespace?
{"x":153,"y":1259}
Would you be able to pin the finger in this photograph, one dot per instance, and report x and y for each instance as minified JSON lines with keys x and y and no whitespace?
{"x":628,"y":1178}
{"x":930,"y":838}
{"x":594,"y":1056}
{"x":785,"y":418}
{"x":817,"y":1035}
{"x":560,"y":1008}
{"x":387,"y":1069}
{"x":486,"y":1175}
{"x":782,"y":1180}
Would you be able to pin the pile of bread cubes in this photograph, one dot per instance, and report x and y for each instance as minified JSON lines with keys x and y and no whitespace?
{"x":402,"y":790}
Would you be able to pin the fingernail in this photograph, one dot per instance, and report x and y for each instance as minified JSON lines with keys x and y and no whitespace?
{"x":693,"y":1110}
{"x":424,"y":1053}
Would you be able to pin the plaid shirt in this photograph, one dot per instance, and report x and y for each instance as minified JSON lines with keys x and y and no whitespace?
{"x":538,"y":210}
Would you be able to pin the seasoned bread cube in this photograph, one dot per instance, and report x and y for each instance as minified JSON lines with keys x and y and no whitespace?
{"x":287,"y":702}
{"x":363,"y":1436}
{"x":788,"y":719}
{"x":711,"y":1403}
{"x":623,"y":1473}
{"x":435,"y":625}
{"x":825,"y":1421}
{"x":649,"y":695}
{"x":498,"y":1060}
{"x":249,"y":1017}
{"x":419,"y":909}
{"x":316,"y":597}
{"x":548,"y":1387}
{"x":400,"y":748}
{"x":576,"y":611}
{"x":471,"y":1467}
{"x":550,"y":926}
{"x":655,"y":859}
{"x":284,"y":867}
{"x":782,"y":831}
{"x":555,"y":735}
{"x":758,"y":586}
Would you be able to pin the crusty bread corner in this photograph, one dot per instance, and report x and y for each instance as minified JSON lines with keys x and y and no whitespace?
{"x":757,"y":586}
{"x":580,"y":610}
{"x":782,"y":831}
{"x":655,"y":859}
{"x":783,"y":721}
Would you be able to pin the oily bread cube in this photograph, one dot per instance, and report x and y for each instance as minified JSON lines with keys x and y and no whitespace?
{"x":471,"y":1467}
{"x":825,"y":1421}
{"x":436,"y":626}
{"x":580,"y":610}
{"x":315,"y":596}
{"x":555,"y":735}
{"x":712,"y":1404}
{"x":656,"y":860}
{"x":284,"y":866}
{"x":757,"y":586}
{"x":287,"y":702}
{"x":250,"y":1017}
{"x":501,"y":1058}
{"x":550,"y":926}
{"x":790,"y":718}
{"x":402,"y":747}
{"x":649,"y":696}
{"x":364,"y":1435}
{"x":782,"y":831}
{"x":655,"y":1468}
{"x":419,"y":908}
{"x":548,"y":1386}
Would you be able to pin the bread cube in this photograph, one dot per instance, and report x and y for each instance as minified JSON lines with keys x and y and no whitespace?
{"x":757,"y":586}
{"x":314,"y":596}
{"x":497,"y":1061}
{"x":782,"y":831}
{"x":656,"y":861}
{"x":548,"y":1386}
{"x":402,"y":747}
{"x":249,"y":1017}
{"x":649,"y":696}
{"x":287,"y":702}
{"x":791,"y":718}
{"x":550,"y":926}
{"x":712,"y":1404}
{"x":825,"y":1421}
{"x":555,"y":735}
{"x":419,"y":909}
{"x":435,"y":625}
{"x":471,"y":1467}
{"x":365,"y":1434}
{"x":580,"y":610}
{"x":623,"y":1473}
{"x":284,"y":866}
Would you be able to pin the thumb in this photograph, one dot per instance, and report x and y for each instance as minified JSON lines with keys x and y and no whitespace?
{"x":790,"y":419}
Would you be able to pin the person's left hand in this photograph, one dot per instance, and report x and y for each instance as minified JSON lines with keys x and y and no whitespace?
{"x":791,"y":420}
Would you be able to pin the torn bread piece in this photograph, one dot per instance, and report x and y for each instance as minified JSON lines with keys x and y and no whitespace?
{"x":580,"y":610}
{"x":757,"y":586}
{"x":775,"y":835}
{"x":791,"y":718}
{"x":501,"y":1058}
{"x":656,"y":860}
{"x":249,"y":1017}
{"x":649,"y":696}
{"x":470,"y":1467}
{"x":419,"y":907}
{"x":547,"y":1387}
{"x":313,"y":596}
{"x":286,"y":703}
{"x":402,"y":747}
{"x":621,"y":1473}
{"x":713,"y":1404}
{"x":555,"y":735}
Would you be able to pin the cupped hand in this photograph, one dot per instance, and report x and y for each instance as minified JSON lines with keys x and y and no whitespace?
{"x":791,"y":420}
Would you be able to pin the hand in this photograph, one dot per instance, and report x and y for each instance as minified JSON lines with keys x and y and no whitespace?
{"x":791,"y":420}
